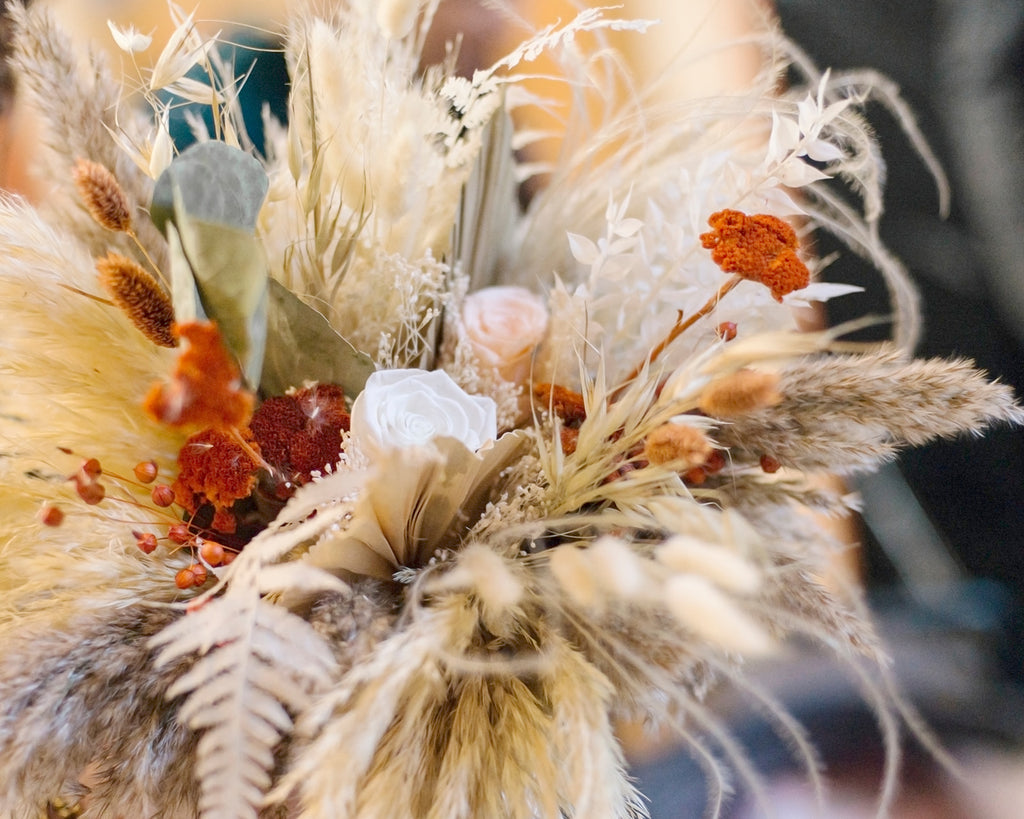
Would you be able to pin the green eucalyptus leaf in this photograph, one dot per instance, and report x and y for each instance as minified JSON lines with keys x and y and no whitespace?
{"x":184,"y":293}
{"x":218,"y":184}
{"x":302,"y":346}
{"x":231,"y":275}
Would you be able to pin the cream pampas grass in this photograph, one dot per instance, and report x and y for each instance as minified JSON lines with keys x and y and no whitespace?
{"x":320,"y":559}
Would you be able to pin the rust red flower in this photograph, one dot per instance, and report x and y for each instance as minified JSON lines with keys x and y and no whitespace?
{"x":760,"y":248}
{"x":300,"y":433}
{"x":214,"y":468}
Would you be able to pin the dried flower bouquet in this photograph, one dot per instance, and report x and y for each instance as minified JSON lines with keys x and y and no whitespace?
{"x":336,"y":485}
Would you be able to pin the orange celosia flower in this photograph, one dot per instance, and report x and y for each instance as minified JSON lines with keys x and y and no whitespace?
{"x":761,"y":248}
{"x":205,"y":389}
{"x":215,"y":468}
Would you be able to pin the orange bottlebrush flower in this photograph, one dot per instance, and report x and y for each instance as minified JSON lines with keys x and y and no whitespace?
{"x":206,"y":387}
{"x":102,"y":195}
{"x":139,"y":296}
{"x":214,"y":468}
{"x":761,"y":248}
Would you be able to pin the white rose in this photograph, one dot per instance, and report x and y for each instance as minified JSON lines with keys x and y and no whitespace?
{"x":503,"y":325}
{"x":410,"y":407}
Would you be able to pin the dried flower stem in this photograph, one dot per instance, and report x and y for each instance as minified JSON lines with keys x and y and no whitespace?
{"x":680,"y":327}
{"x":142,"y":249}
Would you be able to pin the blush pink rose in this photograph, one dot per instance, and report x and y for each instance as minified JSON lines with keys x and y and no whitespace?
{"x":504,"y":325}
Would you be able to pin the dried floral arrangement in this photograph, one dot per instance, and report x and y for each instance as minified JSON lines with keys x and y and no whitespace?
{"x":338,"y":485}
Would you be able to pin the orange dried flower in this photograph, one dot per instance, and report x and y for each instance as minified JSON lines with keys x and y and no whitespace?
{"x":214,"y":468}
{"x":570,"y":438}
{"x":761,"y":248}
{"x":565,"y":403}
{"x":740,"y":393}
{"x":103,"y":195}
{"x":677,"y":444}
{"x":206,"y":387}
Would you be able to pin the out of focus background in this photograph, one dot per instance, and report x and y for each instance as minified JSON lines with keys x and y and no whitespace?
{"x":941,"y":543}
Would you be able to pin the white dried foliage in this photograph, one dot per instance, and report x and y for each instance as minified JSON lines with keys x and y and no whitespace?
{"x":433,"y":632}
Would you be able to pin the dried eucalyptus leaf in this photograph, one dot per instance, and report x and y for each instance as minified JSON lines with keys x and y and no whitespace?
{"x":184,"y":293}
{"x":489,"y":207}
{"x":219,"y":184}
{"x":230,"y":273}
{"x":302,"y":346}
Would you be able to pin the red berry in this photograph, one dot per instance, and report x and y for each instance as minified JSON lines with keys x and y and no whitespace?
{"x":695,"y":476}
{"x":50,"y":515}
{"x":770,"y":464}
{"x":179,"y":533}
{"x":199,"y":574}
{"x":92,"y":492}
{"x":212,"y":552}
{"x":146,"y":471}
{"x":726,"y":330}
{"x":185,"y":579}
{"x":162,"y":495}
{"x":715,"y":462}
{"x":145,"y":541}
{"x":91,"y":468}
